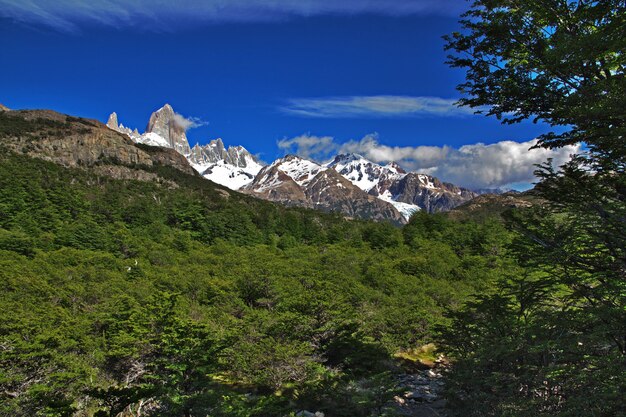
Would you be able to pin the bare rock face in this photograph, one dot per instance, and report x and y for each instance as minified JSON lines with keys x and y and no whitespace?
{"x":330,"y":191}
{"x":78,"y":142}
{"x":112,"y":122}
{"x":271,"y":183}
{"x":167,"y":124}
{"x":215,"y":152}
{"x":4,"y":108}
{"x":429,"y":193}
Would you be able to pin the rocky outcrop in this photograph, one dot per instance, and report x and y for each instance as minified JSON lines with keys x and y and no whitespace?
{"x":4,"y":108}
{"x":78,"y":142}
{"x":171,"y":126}
{"x":112,"y":122}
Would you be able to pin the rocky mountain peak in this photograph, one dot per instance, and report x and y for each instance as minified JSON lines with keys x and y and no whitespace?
{"x":112,"y":122}
{"x":289,"y":158}
{"x":299,"y":169}
{"x":4,"y":108}
{"x":346,"y":158}
{"x":217,"y":143}
{"x":167,"y":124}
{"x":394,"y":166}
{"x":232,"y":167}
{"x":293,"y":180}
{"x":215,"y":152}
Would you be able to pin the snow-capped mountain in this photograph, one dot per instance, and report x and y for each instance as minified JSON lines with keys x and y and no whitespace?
{"x":232,"y":167}
{"x":408,"y":192}
{"x":365,"y":174}
{"x":296,"y":181}
{"x":373,"y":178}
{"x":349,"y":183}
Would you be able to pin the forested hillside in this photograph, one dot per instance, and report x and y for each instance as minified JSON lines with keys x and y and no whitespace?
{"x":131,"y":286}
{"x":174,"y":298}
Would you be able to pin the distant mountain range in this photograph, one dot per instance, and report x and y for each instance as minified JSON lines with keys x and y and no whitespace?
{"x":349,"y":184}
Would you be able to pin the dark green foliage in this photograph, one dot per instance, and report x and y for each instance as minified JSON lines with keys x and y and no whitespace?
{"x":126,"y":296}
{"x":551,"y":339}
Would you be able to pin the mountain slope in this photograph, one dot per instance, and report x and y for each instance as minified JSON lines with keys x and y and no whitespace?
{"x":232,"y":167}
{"x":493,"y":206}
{"x":428,"y":192}
{"x":78,"y":142}
{"x":296,"y":181}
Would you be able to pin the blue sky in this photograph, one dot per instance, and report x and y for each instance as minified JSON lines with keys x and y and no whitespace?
{"x":262,"y":74}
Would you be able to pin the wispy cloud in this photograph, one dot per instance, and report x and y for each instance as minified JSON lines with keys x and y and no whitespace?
{"x":68,"y":15}
{"x":374,"y":106}
{"x":187,"y":123}
{"x":474,"y":166}
{"x":309,"y":146}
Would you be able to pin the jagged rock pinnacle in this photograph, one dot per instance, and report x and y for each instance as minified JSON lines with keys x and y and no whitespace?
{"x":163,"y":123}
{"x":112,"y":122}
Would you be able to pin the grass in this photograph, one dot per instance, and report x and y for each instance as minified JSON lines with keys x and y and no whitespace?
{"x":421,"y":356}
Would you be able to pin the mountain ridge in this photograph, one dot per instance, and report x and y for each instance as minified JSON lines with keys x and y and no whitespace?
{"x":294,"y":180}
{"x":396,"y":190}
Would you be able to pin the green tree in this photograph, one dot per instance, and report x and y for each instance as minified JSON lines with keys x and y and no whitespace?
{"x":161,"y":357}
{"x":560,"y":330}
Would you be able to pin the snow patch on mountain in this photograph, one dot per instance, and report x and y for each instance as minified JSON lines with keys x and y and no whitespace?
{"x":302,"y":171}
{"x":228,"y":175}
{"x":405,"y":209}
{"x":427,"y":181}
{"x":151,"y":139}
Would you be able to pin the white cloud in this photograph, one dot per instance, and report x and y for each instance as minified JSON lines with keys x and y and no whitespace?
{"x":475,"y":166}
{"x":413,"y":158}
{"x":309,"y":146}
{"x":374,"y":106}
{"x":67,"y":15}
{"x":187,"y":122}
